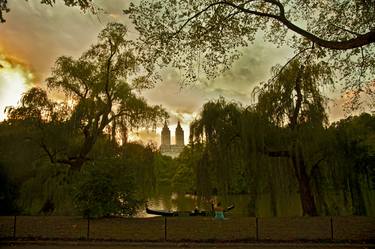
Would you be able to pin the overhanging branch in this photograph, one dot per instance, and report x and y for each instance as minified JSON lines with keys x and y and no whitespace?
{"x":359,"y":41}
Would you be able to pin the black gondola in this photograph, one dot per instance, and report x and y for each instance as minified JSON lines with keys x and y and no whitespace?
{"x":195,"y":212}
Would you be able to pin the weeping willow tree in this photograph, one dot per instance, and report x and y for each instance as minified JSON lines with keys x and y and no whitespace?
{"x":229,"y":139}
{"x":352,"y":162}
{"x":218,"y":128}
{"x":292,"y":100}
{"x":289,"y":112}
{"x":256,"y":156}
{"x":101,"y":94}
{"x":265,"y":176}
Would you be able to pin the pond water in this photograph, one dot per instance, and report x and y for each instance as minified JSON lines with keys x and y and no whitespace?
{"x":188,"y":202}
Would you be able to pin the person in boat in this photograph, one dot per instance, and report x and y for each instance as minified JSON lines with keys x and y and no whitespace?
{"x":219,"y":211}
{"x":195,"y":212}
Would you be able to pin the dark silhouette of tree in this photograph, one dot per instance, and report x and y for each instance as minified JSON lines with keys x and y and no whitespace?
{"x":293,"y":100}
{"x":99,"y":87}
{"x":3,"y":8}
{"x":353,"y":152}
{"x":290,"y":107}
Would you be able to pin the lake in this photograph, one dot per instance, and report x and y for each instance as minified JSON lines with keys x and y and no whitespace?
{"x":188,"y":202}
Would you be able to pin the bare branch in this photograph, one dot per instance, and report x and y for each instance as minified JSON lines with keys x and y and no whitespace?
{"x":290,"y":60}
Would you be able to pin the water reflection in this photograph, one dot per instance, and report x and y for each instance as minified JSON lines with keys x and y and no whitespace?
{"x":286,"y":205}
{"x":188,"y":202}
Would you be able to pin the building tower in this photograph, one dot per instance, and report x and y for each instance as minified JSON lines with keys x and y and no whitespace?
{"x":179,"y":135}
{"x":165,"y":136}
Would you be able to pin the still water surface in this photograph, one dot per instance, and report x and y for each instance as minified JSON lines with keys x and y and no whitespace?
{"x":188,"y":202}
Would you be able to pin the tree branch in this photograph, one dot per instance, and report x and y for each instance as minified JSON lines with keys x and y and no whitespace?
{"x":207,"y":8}
{"x":359,"y":41}
{"x":316,"y":166}
{"x":297,"y":108}
{"x":345,"y":29}
{"x":278,"y":153}
{"x":290,"y":60}
{"x":206,"y":31}
{"x":49,"y":154}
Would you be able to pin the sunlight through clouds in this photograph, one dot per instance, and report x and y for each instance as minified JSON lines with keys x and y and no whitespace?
{"x":15,"y":79}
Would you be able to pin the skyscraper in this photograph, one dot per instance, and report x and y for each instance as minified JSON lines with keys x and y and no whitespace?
{"x":166,"y":148}
{"x":165,"y":135}
{"x":179,"y":135}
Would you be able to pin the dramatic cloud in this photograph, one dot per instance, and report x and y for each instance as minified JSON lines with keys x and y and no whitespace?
{"x":184,"y":102}
{"x":38,"y":34}
{"x":15,"y":78}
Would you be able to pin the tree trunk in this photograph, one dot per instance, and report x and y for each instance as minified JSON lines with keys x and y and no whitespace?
{"x":273,"y":200}
{"x":358,"y":203}
{"x":317,"y":179}
{"x":305,"y":191}
{"x":307,"y":198}
{"x":253,"y":196}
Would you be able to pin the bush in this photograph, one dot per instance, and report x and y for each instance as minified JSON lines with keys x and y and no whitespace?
{"x":8,"y":194}
{"x":106,"y":188}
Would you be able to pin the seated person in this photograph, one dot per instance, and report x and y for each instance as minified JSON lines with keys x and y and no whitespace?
{"x":219,"y":211}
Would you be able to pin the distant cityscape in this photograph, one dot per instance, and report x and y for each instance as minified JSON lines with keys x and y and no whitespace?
{"x":168,"y":149}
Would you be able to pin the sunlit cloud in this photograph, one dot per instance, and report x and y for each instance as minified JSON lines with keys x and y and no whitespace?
{"x":145,"y":136}
{"x":15,"y":79}
{"x":39,"y":34}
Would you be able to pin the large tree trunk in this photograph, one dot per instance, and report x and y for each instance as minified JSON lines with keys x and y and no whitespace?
{"x":273,"y":200}
{"x":358,"y":202}
{"x":307,"y":198}
{"x":316,"y":179}
{"x":299,"y":166}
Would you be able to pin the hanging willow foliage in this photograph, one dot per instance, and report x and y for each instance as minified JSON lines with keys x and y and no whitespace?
{"x":280,"y":149}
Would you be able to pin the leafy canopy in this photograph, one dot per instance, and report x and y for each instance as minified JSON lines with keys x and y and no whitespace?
{"x":293,"y":97}
{"x":106,"y":188}
{"x":211,"y":33}
{"x":101,"y":95}
{"x":83,"y":4}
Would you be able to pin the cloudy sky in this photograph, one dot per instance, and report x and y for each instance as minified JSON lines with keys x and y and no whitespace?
{"x":34,"y":35}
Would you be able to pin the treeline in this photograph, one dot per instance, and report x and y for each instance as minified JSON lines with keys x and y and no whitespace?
{"x":70,"y":154}
{"x":116,"y":180}
{"x":283,"y":147}
{"x":236,"y":151}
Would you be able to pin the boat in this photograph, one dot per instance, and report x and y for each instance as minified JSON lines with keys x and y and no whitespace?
{"x":160,"y":212}
{"x":195,"y":212}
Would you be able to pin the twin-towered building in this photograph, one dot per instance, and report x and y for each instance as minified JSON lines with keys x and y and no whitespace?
{"x":166,"y":148}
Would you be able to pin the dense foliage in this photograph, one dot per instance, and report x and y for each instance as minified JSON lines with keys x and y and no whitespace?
{"x":244,"y":152}
{"x":83,"y":4}
{"x":235,"y":150}
{"x":100,"y":89}
{"x":285,"y":136}
{"x":106,"y":188}
{"x":61,"y":153}
{"x":206,"y":36}
{"x":73,"y":156}
{"x":116,"y":181}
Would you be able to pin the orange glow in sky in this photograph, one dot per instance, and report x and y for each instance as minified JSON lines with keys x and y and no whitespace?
{"x":15,"y":79}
